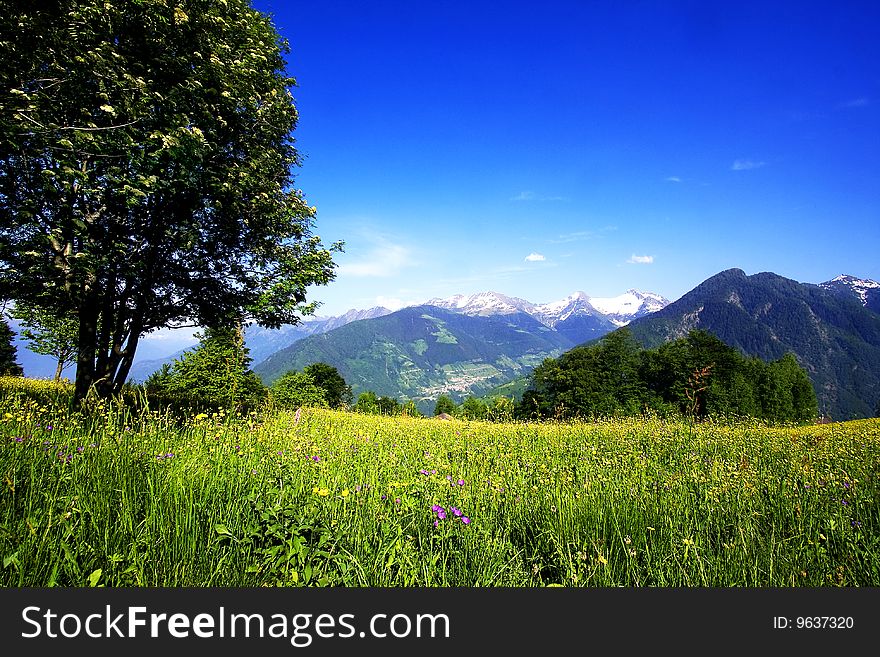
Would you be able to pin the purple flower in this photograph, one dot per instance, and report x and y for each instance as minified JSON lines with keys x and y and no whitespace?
{"x":441,"y":514}
{"x":461,"y":482}
{"x":397,"y":500}
{"x":80,"y":449}
{"x":466,"y":520}
{"x":456,"y":512}
{"x":316,"y":458}
{"x":436,"y":508}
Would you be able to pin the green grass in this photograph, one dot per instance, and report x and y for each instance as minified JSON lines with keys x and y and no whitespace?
{"x":332,"y":498}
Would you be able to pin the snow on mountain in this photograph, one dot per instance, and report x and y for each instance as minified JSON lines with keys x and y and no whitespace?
{"x":858,"y":286}
{"x":620,"y":310}
{"x":483,"y":303}
{"x":624,"y":308}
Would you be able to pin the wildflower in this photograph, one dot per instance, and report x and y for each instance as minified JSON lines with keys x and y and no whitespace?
{"x":466,"y":520}
{"x":602,"y":560}
{"x":344,"y":492}
{"x":461,"y":482}
{"x":456,"y":512}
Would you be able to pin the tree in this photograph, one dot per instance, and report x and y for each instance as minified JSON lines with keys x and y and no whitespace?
{"x":337,"y":392}
{"x":296,"y":389}
{"x":388,"y":405}
{"x":146,"y":159}
{"x":216,"y":373}
{"x":8,"y":364}
{"x":48,"y":334}
{"x":445,"y":405}
{"x":474,"y":409}
{"x":367,"y":402}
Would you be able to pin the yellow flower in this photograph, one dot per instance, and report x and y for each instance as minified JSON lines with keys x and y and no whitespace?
{"x":344,"y":493}
{"x":602,"y":560}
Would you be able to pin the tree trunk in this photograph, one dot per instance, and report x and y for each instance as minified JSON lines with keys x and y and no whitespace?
{"x":85,"y":348}
{"x":58,"y":370}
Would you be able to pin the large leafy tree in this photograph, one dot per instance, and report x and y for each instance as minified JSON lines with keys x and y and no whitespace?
{"x":146,"y":158}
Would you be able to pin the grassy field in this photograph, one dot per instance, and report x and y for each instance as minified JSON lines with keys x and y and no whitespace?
{"x":329,"y":498}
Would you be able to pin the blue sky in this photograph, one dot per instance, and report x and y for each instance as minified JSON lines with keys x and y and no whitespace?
{"x":619,"y":144}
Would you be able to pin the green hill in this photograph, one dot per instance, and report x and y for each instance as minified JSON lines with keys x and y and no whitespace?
{"x":422,"y":352}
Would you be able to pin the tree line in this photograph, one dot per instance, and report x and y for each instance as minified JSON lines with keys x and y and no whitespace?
{"x":697,"y":375}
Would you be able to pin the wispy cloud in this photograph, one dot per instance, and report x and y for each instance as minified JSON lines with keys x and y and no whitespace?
{"x":580,"y":235}
{"x":384,"y":259}
{"x":855,"y":103}
{"x":535,"y":257}
{"x":640,"y":260}
{"x":674,"y":179}
{"x":531,"y":196}
{"x":745,"y":165}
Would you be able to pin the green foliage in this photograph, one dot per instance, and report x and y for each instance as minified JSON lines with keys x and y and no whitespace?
{"x":697,"y":376}
{"x":445,"y":405}
{"x":367,"y":402}
{"x":295,"y":390}
{"x":146,"y":173}
{"x":215,"y":373}
{"x":337,"y":393}
{"x":48,"y":334}
{"x":8,"y":364}
{"x":473,"y":408}
{"x":832,"y":335}
{"x":370,"y":403}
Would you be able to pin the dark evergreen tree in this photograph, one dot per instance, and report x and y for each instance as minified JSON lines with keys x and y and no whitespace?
{"x":216,"y":373}
{"x":445,"y":405}
{"x":8,"y":364}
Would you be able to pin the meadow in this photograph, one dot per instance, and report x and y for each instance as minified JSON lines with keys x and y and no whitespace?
{"x":128,"y":496}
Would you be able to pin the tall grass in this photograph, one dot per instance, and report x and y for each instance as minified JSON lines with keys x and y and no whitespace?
{"x":119,"y":498}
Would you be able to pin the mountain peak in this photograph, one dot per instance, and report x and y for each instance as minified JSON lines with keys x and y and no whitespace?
{"x":866,"y":290}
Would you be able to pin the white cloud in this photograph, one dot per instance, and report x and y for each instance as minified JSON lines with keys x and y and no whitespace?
{"x":744,"y":165}
{"x":640,"y":260}
{"x":535,"y":257}
{"x":391,"y":303}
{"x":531,"y":196}
{"x":675,"y":179}
{"x":383,"y":260}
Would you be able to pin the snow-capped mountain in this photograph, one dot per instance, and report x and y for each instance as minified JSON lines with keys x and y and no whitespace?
{"x":630,"y":305}
{"x":483,"y":303}
{"x":619,"y":310}
{"x":864,"y":289}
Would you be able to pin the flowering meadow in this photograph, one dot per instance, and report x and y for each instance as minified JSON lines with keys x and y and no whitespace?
{"x":118,"y":497}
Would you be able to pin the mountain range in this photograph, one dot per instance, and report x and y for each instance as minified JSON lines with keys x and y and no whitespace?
{"x":458,"y":346}
{"x":831,"y":329}
{"x":488,"y":342}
